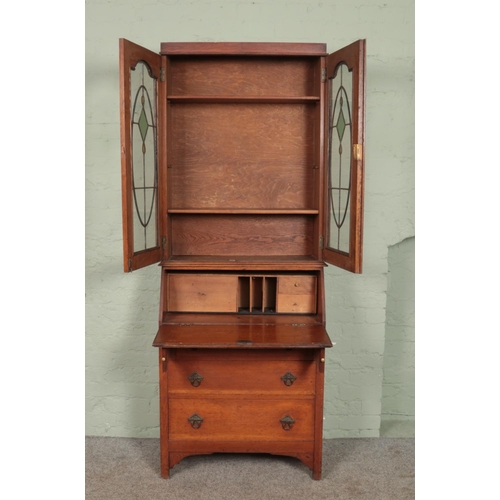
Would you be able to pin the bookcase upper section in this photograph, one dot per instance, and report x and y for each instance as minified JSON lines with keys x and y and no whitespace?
{"x":227,"y":151}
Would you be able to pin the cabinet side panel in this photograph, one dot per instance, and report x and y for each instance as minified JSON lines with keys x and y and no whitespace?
{"x":318,"y":424}
{"x":164,"y":416}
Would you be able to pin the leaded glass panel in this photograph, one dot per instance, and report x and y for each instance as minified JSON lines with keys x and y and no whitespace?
{"x":144,"y":157}
{"x":339,"y":159}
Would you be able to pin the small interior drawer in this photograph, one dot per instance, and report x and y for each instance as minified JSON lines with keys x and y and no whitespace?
{"x":202,"y":293}
{"x":297,"y":285}
{"x":296,"y":294}
{"x":242,"y":293}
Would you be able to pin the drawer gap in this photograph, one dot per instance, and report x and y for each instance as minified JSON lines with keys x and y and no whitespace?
{"x":269,"y":305}
{"x":256,"y":289}
{"x":244,"y":294}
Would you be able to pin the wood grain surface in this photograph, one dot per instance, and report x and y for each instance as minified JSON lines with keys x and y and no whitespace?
{"x":202,"y":293}
{"x":245,"y":76}
{"x":244,"y":262}
{"x":244,"y":48}
{"x":242,"y":156}
{"x":241,"y":234}
{"x":232,"y":376}
{"x":238,"y":319}
{"x":227,"y":419}
{"x":243,"y":336}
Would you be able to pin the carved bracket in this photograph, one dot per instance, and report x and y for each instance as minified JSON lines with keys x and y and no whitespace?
{"x":288,"y":378}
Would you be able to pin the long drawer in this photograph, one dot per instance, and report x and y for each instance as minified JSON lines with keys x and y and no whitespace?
{"x":203,"y":374}
{"x":222,"y":419}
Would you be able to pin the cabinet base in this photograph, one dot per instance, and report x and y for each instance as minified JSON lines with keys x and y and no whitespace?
{"x":303,"y":450}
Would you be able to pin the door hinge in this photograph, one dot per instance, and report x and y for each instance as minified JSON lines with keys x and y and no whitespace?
{"x":321,"y":241}
{"x":164,"y":242}
{"x":323,"y":75}
{"x":357,"y":151}
{"x":162,"y":74}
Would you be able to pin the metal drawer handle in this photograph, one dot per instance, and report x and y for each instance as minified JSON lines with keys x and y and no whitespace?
{"x":195,"y":379}
{"x":287,"y":422}
{"x":288,"y":378}
{"x":195,"y":421}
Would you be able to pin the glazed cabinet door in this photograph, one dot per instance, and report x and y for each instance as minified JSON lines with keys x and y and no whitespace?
{"x":344,"y":183}
{"x":141,"y":112}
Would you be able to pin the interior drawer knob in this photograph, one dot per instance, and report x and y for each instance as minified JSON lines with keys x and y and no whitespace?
{"x":288,"y":378}
{"x":287,"y":422}
{"x":296,"y":284}
{"x":195,"y":379}
{"x":195,"y":420}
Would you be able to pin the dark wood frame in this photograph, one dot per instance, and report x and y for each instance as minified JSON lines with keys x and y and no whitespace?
{"x":130,"y":55}
{"x":208,"y":239}
{"x":354,"y":56}
{"x":243,"y":48}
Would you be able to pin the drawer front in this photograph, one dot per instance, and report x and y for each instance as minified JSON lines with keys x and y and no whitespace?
{"x":241,"y":419}
{"x":202,"y":293}
{"x":297,"y":285}
{"x":296,"y":294}
{"x":296,"y":304}
{"x":202,"y":376}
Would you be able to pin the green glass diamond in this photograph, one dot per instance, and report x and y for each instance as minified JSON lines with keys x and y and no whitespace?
{"x":143,"y":125}
{"x":341,"y":125}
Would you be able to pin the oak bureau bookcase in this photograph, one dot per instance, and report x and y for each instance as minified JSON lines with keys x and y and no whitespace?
{"x":242,"y":176}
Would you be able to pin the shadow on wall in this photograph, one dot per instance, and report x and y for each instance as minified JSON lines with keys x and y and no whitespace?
{"x":398,"y":390}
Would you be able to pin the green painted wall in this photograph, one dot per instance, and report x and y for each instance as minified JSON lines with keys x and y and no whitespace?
{"x":398,"y":390}
{"x":122,"y":309}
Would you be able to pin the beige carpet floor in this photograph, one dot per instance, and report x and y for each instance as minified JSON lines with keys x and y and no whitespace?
{"x":364,"y":468}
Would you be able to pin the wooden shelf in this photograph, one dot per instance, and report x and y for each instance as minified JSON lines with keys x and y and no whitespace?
{"x":244,"y":262}
{"x":243,"y":211}
{"x":243,"y":99}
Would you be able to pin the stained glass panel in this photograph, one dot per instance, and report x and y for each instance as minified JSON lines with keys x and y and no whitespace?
{"x":339,"y":159}
{"x":144,"y":157}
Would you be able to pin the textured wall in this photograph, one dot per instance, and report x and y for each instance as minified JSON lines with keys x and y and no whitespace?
{"x":398,"y":393}
{"x":122,"y":309}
